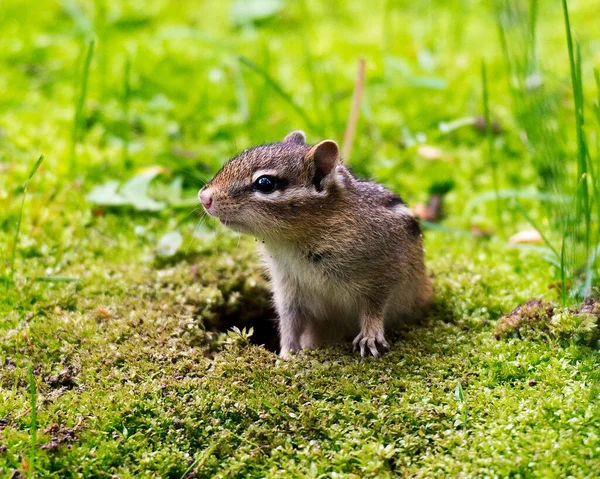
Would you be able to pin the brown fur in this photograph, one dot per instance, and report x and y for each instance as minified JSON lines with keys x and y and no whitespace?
{"x":345,"y":256}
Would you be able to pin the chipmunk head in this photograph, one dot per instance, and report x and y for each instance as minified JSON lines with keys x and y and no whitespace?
{"x":276,"y":190}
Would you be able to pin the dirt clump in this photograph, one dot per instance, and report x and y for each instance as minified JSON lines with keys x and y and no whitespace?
{"x":537,"y":319}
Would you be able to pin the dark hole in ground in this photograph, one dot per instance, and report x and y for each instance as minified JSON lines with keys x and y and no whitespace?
{"x":266,"y":333}
{"x":252,"y":312}
{"x":254,"y":309}
{"x":245,"y":303}
{"x":257,"y":312}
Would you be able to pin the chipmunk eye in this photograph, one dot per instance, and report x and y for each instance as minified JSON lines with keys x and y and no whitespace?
{"x":265,"y":184}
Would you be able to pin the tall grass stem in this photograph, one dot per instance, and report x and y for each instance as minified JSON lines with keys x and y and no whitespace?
{"x":350,"y":132}
{"x":76,"y":130}
{"x":126,"y":115}
{"x":20,"y":218}
{"x":277,"y":88}
{"x":583,"y":200}
{"x":490,"y":144}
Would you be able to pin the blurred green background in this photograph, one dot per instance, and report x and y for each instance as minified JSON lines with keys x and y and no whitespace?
{"x":207,"y":79}
{"x":186,"y":87}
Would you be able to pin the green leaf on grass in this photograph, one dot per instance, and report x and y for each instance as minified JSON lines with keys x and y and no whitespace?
{"x":106,"y":195}
{"x":459,"y":393}
{"x":169,"y":244}
{"x":246,"y":12}
{"x":133,"y":193}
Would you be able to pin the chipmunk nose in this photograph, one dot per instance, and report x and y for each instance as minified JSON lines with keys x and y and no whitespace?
{"x":206,"y":199}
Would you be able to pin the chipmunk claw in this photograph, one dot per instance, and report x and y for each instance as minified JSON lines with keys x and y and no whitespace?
{"x":370,"y":345}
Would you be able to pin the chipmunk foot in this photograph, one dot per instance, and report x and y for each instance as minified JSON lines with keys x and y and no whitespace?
{"x":370,"y":344}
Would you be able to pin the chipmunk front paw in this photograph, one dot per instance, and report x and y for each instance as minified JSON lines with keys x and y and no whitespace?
{"x":370,"y":344}
{"x":286,"y":352}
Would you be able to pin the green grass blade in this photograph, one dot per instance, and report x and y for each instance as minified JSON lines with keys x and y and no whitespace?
{"x":78,"y":118}
{"x":125,"y":106}
{"x":459,"y":396}
{"x":597,"y":105}
{"x":490,"y":144}
{"x":3,"y":278}
{"x":537,"y":228}
{"x":505,"y":50}
{"x":590,"y":271}
{"x":20,"y":218}
{"x":532,"y":57}
{"x":459,"y":393}
{"x":575,"y":66}
{"x":512,"y":194}
{"x":445,"y":229}
{"x":274,"y":409}
{"x":563,"y":274}
{"x":311,"y":69}
{"x":56,"y":279}
{"x":35,"y":167}
{"x":279,"y":90}
{"x":241,"y":93}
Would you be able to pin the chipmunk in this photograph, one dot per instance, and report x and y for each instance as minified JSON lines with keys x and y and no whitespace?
{"x":345,"y":256}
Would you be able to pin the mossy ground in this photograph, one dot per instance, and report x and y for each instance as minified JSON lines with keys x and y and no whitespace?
{"x":129,"y":382}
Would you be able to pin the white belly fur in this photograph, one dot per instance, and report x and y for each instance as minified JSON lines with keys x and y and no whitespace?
{"x":333,"y":306}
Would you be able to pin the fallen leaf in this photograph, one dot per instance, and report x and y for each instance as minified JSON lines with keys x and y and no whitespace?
{"x":526,"y":237}
{"x":431,"y":152}
{"x":172,"y":194}
{"x":245,"y":12}
{"x":106,"y":194}
{"x":481,"y":232}
{"x":24,"y":463}
{"x":169,"y":244}
{"x":133,"y":193}
{"x":102,"y":313}
{"x":154,"y":170}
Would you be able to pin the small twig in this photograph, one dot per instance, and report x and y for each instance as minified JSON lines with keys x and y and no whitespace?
{"x":354,"y":110}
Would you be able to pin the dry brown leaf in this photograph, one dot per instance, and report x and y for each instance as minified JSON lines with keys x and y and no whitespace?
{"x":481,"y":232}
{"x":431,"y":152}
{"x":102,"y":313}
{"x":526,"y":237}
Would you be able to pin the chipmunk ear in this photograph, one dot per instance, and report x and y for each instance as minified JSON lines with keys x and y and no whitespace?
{"x":324,"y":155}
{"x":297,"y":137}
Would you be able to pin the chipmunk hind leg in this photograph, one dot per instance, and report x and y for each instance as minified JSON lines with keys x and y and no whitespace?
{"x":409,"y":302}
{"x":425,"y":293}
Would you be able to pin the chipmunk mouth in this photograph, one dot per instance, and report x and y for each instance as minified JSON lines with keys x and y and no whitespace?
{"x":233,"y":224}
{"x":228,"y":222}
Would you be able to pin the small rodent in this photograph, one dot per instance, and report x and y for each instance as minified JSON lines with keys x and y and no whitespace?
{"x":345,"y":256}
